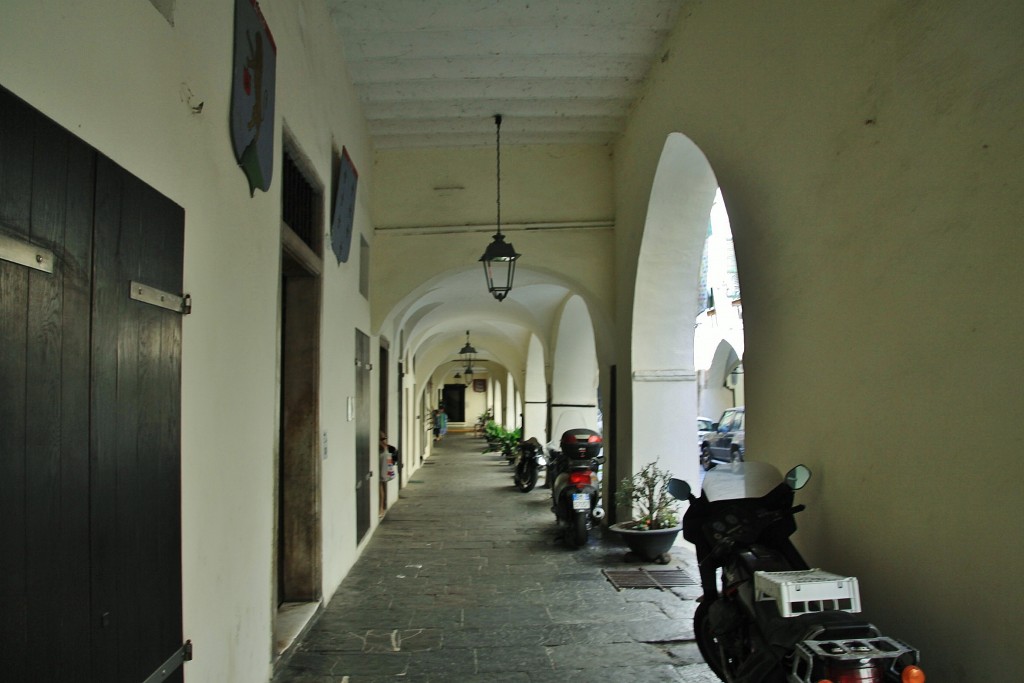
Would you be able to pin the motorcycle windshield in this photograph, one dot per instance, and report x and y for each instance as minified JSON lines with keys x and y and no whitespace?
{"x":741,"y":480}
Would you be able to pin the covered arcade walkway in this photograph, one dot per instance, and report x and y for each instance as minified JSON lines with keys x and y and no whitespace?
{"x":466,"y":581}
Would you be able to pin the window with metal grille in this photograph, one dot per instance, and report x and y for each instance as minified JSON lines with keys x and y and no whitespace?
{"x":301,"y":203}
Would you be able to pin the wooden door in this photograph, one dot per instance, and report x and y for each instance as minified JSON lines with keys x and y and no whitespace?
{"x":90,"y":412}
{"x":454,"y":398}
{"x":364,"y":472}
{"x":299,"y":568}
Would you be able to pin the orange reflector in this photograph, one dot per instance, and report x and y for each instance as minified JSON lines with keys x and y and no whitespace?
{"x":913,"y":674}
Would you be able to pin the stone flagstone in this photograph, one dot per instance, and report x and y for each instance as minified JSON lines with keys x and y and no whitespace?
{"x":467,"y":581}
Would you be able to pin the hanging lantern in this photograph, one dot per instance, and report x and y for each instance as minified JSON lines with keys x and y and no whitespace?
{"x":499,"y":258}
{"x":467,"y":351}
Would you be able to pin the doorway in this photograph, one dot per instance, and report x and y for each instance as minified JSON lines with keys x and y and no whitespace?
{"x":364,"y":471}
{"x":298,"y":558}
{"x":453,"y":397}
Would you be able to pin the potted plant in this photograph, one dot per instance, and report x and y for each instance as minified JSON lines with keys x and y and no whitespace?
{"x":655,"y":523}
{"x":500,"y":439}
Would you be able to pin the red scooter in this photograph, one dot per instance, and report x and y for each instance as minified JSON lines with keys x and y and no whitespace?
{"x":575,"y":485}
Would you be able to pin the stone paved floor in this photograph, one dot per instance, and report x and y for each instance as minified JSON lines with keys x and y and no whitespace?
{"x":465,"y":580}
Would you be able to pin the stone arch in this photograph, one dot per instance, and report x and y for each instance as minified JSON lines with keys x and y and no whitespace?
{"x":665,"y":304}
{"x":715,"y":394}
{"x":574,"y":370}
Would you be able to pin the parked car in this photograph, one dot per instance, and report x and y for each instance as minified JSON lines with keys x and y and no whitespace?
{"x":725,"y":443}
{"x":704,"y":425}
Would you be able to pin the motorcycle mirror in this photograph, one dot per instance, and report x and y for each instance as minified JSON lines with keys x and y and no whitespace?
{"x":679,"y":489}
{"x":798,"y":477}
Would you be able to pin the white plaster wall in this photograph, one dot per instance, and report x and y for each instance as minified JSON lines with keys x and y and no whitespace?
{"x":538,"y":184}
{"x":457,"y":186}
{"x":869,"y":154}
{"x":476,"y":403}
{"x":120,"y":77}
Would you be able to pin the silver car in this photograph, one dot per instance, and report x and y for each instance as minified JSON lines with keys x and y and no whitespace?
{"x":704,"y":425}
{"x":725,"y":443}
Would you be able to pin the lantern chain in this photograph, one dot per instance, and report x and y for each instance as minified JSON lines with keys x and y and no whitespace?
{"x":497,"y":122}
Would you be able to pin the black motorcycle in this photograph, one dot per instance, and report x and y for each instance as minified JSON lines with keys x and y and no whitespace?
{"x":575,"y":488}
{"x":529,"y":463}
{"x":774,"y":619}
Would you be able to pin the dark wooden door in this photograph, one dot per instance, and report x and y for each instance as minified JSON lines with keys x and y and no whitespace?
{"x":89,"y":413}
{"x":364,"y":472}
{"x":454,"y":398}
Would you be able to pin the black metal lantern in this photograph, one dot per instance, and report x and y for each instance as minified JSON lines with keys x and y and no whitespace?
{"x":499,"y":258}
{"x":467,"y":351}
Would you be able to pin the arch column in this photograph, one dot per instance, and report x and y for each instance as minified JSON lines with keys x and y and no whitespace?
{"x":535,"y":394}
{"x":498,"y":387}
{"x":664,"y":381}
{"x":660,"y":398}
{"x":574,"y":372}
{"x":513,"y":419}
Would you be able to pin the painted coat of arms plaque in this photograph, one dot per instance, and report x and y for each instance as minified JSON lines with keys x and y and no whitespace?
{"x":252,"y":95}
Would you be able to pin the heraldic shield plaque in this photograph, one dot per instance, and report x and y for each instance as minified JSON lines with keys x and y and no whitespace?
{"x":344,"y":207}
{"x":252,"y":95}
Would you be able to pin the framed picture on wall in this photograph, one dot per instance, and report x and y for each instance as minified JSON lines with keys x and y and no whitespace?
{"x":479,"y":385}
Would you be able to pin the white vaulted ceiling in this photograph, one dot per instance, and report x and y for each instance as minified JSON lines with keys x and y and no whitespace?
{"x":434,"y":73}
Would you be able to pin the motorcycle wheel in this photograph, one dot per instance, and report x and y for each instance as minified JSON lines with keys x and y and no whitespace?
{"x":578,"y":532}
{"x":705,"y":641}
{"x":528,"y":479}
{"x":705,"y":458}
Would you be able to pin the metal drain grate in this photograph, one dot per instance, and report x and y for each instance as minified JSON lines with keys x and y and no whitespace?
{"x":647,"y":578}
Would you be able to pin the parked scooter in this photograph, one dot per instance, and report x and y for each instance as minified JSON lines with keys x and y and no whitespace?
{"x":575,"y":486}
{"x":530,"y":462}
{"x":776,"y":620}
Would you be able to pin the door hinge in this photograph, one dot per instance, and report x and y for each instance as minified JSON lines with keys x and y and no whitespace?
{"x":183,"y":654}
{"x":25,"y":254}
{"x":155,"y":297}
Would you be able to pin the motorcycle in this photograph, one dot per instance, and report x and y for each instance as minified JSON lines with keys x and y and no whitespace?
{"x":575,"y":486}
{"x":775,"y":619}
{"x":529,"y":463}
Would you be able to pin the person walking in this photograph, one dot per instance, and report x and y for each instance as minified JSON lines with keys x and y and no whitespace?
{"x":440,"y":424}
{"x":387,"y":457}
